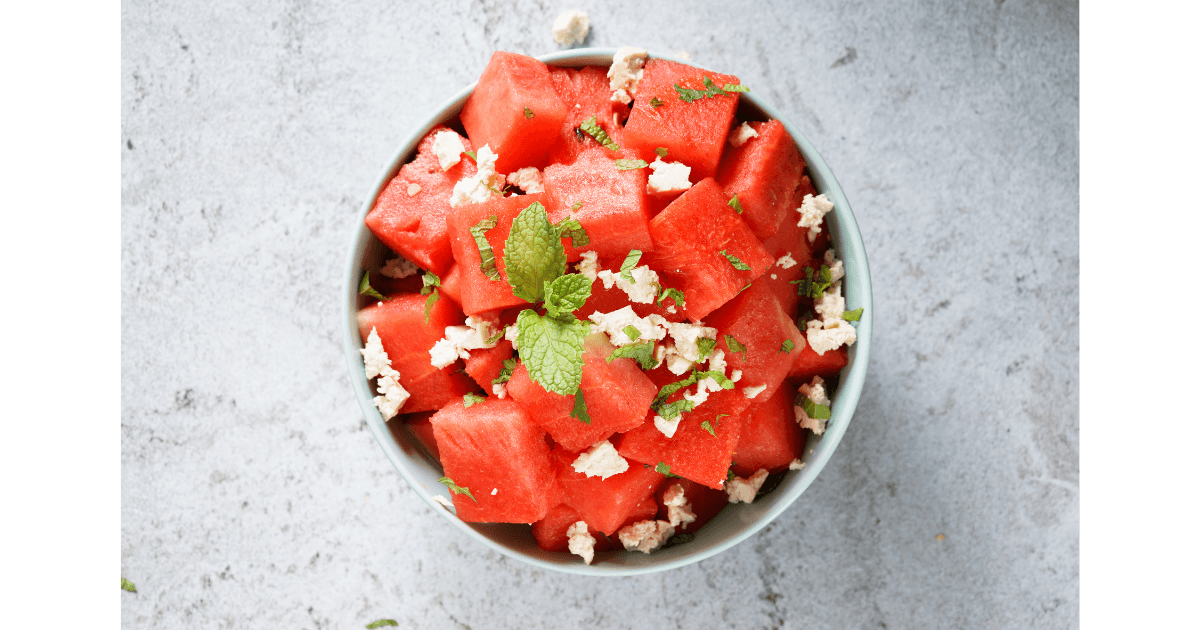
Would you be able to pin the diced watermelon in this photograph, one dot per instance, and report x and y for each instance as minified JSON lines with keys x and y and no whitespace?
{"x":689,"y":237}
{"x":763,"y":173}
{"x":608,"y":300}
{"x":415,"y":224}
{"x":693,"y":133}
{"x":485,"y":364}
{"x":551,"y":532}
{"x":809,"y":364}
{"x":479,"y":292}
{"x":612,"y":202}
{"x":407,"y":339}
{"x":607,"y":504}
{"x":792,"y":240}
{"x":758,"y":323}
{"x":585,"y":93}
{"x":421,"y":428}
{"x":771,"y":437}
{"x":452,"y":284}
{"x":494,"y":445}
{"x":705,"y":502}
{"x":515,"y":110}
{"x":388,"y":286}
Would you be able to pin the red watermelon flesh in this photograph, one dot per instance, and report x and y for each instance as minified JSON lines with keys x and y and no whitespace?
{"x":613,"y":207}
{"x":705,"y":502}
{"x":485,"y":364}
{"x":693,"y":133}
{"x":585,"y":93}
{"x":604,"y":300}
{"x":771,"y":437}
{"x":388,"y":286}
{"x":452,"y":284}
{"x":551,"y":532}
{"x":790,"y":239}
{"x":758,"y":323}
{"x":547,"y":409}
{"x":407,"y":340}
{"x":514,"y":110}
{"x":480,"y":293}
{"x":689,"y":236}
{"x":763,"y":173}
{"x":415,"y":225}
{"x":606,"y":504}
{"x":494,"y":445}
{"x":808,"y":364}
{"x":421,"y":428}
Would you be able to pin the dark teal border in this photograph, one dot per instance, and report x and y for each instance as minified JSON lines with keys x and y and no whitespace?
{"x":59,"y":232}
{"x":1140,"y":208}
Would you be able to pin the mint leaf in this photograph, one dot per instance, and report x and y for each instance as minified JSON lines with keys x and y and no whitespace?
{"x":430,"y":281}
{"x":433,"y":297}
{"x":567,"y":293}
{"x":487,"y":259}
{"x":533,"y":253}
{"x":594,"y":130}
{"x":735,"y":204}
{"x":126,"y":585}
{"x":787,"y":346}
{"x":506,"y":371}
{"x":471,"y":154}
{"x":664,"y":469}
{"x":688,"y":95}
{"x":735,"y":261}
{"x":719,"y":416}
{"x":719,"y":377}
{"x":552,"y":349}
{"x":494,"y":339}
{"x":734,"y":87}
{"x":528,"y":113}
{"x":735,"y":346}
{"x":812,"y":409}
{"x":455,"y":488}
{"x":577,"y":205}
{"x":708,"y":427}
{"x":852,"y":316}
{"x":674,"y":294}
{"x":632,"y":332}
{"x":642,"y":352}
{"x":629,"y":164}
{"x":472,"y":399}
{"x":705,"y":346}
{"x":661,"y":151}
{"x":671,"y":388}
{"x":364,"y":288}
{"x":580,"y":409}
{"x":656,"y":102}
{"x":381,"y":623}
{"x":670,"y":411}
{"x":631,"y":261}
{"x":569,"y":226}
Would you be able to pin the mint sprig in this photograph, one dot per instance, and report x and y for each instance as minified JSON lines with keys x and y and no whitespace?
{"x":552,"y":350}
{"x":670,"y":411}
{"x":487,"y":259}
{"x":594,"y":130}
{"x":689,"y":95}
{"x":365,"y":288}
{"x":533,"y":253}
{"x":457,"y":489}
{"x":567,"y":293}
{"x":735,"y":261}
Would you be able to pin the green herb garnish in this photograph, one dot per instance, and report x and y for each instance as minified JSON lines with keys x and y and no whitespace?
{"x":528,"y":113}
{"x":365,"y":288}
{"x":456,"y":489}
{"x":472,"y":399}
{"x":735,"y":261}
{"x":656,"y":102}
{"x":533,"y":253}
{"x":487,"y":259}
{"x":126,"y":585}
{"x":705,"y":346}
{"x":852,"y":316}
{"x":642,"y":352}
{"x":812,"y":409}
{"x":663,"y":468}
{"x":565,"y":294}
{"x":688,"y":95}
{"x":570,"y":227}
{"x":735,"y":346}
{"x":629,"y":164}
{"x":579,"y":411}
{"x":787,"y":346}
{"x":552,"y":350}
{"x":471,"y":154}
{"x":506,"y":371}
{"x":735,"y":204}
{"x":631,"y":261}
{"x":381,"y":623}
{"x":674,"y":294}
{"x":632,"y":332}
{"x":594,"y":130}
{"x":734,"y":87}
{"x":661,"y":151}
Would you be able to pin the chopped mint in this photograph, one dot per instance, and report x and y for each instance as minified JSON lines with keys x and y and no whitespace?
{"x":487,"y":259}
{"x":826,"y":280}
{"x":852,"y":316}
{"x":661,"y":151}
{"x":717,"y":376}
{"x":632,"y":332}
{"x":528,"y":113}
{"x":705,"y":346}
{"x":577,"y":205}
{"x":431,"y":282}
{"x":663,"y":468}
{"x":126,"y":585}
{"x":533,"y":253}
{"x":580,"y":409}
{"x":734,"y":87}
{"x":642,"y":352}
{"x":629,"y":164}
{"x":719,"y":416}
{"x":735,"y":204}
{"x":472,"y":399}
{"x":735,"y":346}
{"x":455,"y":488}
{"x":471,"y":154}
{"x":656,"y":102}
{"x":566,"y":293}
{"x":748,"y":284}
{"x":552,"y":349}
{"x":433,"y":297}
{"x":365,"y":288}
{"x":631,"y":261}
{"x":787,"y":346}
{"x":671,"y":388}
{"x":594,"y":130}
{"x":813,"y":288}
{"x":735,"y":261}
{"x":670,"y":411}
{"x":708,"y":427}
{"x":494,"y":339}
{"x":812,"y":409}
{"x":674,"y":294}
{"x":381,"y":623}
{"x":570,"y":227}
{"x":729,"y":475}
{"x":688,"y":95}
{"x":506,"y":371}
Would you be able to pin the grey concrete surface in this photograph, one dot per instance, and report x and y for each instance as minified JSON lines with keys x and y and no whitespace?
{"x":253,"y":495}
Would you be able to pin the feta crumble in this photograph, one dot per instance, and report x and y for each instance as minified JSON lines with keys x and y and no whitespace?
{"x":812,"y":210}
{"x":443,"y":501}
{"x":644,"y":288}
{"x":499,"y":390}
{"x":448,"y":148}
{"x":510,"y":335}
{"x":743,"y":133}
{"x":588,"y":265}
{"x":528,"y":179}
{"x":601,"y":460}
{"x":460,"y":339}
{"x":613,"y":324}
{"x":679,"y":511}
{"x":786,"y":261}
{"x":832,"y":304}
{"x":580,"y":542}
{"x":744,"y":490}
{"x":815,"y":391}
{"x":483,"y":185}
{"x":571,"y":28}
{"x":688,"y":336}
{"x":495,"y":490}
{"x":830,"y":334}
{"x":399,"y":268}
{"x":735,"y":376}
{"x":837,"y":270}
{"x":376,"y":363}
{"x":625,"y":73}
{"x":413,"y":189}
{"x":796,"y":465}
{"x":667,"y":427}
{"x":668,"y":177}
{"x":645,"y":536}
{"x":751,"y":392}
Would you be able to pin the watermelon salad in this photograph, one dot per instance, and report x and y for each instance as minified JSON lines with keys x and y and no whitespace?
{"x":612,"y":309}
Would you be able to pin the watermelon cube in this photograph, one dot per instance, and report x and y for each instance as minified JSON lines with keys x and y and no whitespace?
{"x":694,"y":238}
{"x":607,"y":504}
{"x":494,"y":446}
{"x":515,"y":110}
{"x":763,"y":173}
{"x":756,"y":321}
{"x":808,"y":363}
{"x":693,"y":133}
{"x":551,"y":532}
{"x":479,"y":292}
{"x":410,"y":214}
{"x":418,"y":424}
{"x":585,"y":93}
{"x":705,"y":502}
{"x":609,"y":203}
{"x":485,"y":364}
{"x":790,"y":240}
{"x":407,"y":339}
{"x":771,"y":437}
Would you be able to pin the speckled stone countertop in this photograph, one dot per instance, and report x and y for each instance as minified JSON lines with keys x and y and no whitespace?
{"x":253,"y":496}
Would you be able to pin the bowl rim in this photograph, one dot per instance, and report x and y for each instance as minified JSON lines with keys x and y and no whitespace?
{"x":856,"y":286}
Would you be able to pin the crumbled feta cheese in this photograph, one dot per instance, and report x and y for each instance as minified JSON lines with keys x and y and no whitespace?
{"x":613,"y":324}
{"x":837,"y":270}
{"x":671,"y":308}
{"x":739,"y":136}
{"x":510,"y":335}
{"x":786,"y":261}
{"x":832,"y":304}
{"x":644,"y":288}
{"x":666,"y":427}
{"x":625,"y":73}
{"x":499,"y":390}
{"x":830,"y":334}
{"x":571,"y":28}
{"x":796,"y":465}
{"x":815,"y":391}
{"x":735,"y":376}
{"x":660,"y":354}
{"x":677,"y":363}
{"x":683,"y":54}
{"x":459,"y":339}
{"x":484,"y":185}
{"x":601,"y":460}
{"x":399,"y":268}
{"x":528,"y":179}
{"x":444,"y":502}
{"x":668,"y":177}
{"x":413,"y":189}
{"x":679,"y":511}
{"x":580,"y":542}
{"x":774,"y":277}
{"x":448,"y":148}
{"x":751,"y":392}
{"x":495,"y":490}
{"x":812,"y":210}
{"x":744,"y":490}
{"x":700,"y":397}
{"x":588,"y":265}
{"x":687,"y":336}
{"x":645,"y":536}
{"x":376,"y":363}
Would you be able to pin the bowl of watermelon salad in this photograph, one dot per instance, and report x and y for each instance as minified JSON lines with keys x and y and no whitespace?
{"x":606,"y":312}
